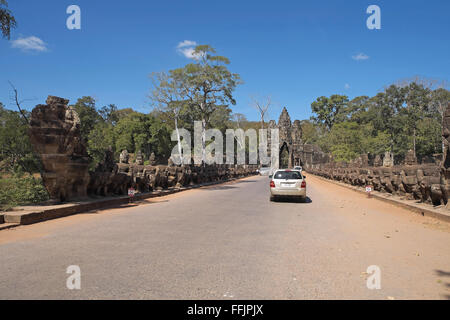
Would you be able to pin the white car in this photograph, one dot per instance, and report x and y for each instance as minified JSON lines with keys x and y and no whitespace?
{"x":264,"y":171}
{"x":287,"y":183}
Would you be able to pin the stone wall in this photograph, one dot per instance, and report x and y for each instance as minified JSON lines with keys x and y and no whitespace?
{"x":56,"y":138}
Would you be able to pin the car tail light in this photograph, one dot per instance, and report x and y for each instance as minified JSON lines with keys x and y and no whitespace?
{"x":272,"y":184}
{"x":303,"y":184}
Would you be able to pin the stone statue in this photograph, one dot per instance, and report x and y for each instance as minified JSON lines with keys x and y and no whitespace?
{"x":152,"y":159}
{"x":139,"y":158}
{"x":377,"y":162}
{"x":445,"y":166}
{"x":388,"y":160}
{"x":55,"y":135}
{"x":410,"y":158}
{"x":124,"y":157}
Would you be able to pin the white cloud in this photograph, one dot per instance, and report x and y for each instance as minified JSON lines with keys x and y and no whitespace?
{"x":187,"y":43}
{"x":360,"y":56}
{"x":31,"y":43}
{"x":186,"y":48}
{"x":347,"y":86}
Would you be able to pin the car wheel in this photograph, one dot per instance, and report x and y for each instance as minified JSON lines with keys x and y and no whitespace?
{"x":272,"y":198}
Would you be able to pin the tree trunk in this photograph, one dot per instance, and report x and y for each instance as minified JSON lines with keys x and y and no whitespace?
{"x":203,"y":140}
{"x":178,"y":140}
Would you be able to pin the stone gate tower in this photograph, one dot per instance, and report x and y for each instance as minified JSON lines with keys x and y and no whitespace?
{"x":291,"y":143}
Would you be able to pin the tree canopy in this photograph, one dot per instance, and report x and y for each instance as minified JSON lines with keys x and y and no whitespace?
{"x":7,"y":20}
{"x":400,"y":118}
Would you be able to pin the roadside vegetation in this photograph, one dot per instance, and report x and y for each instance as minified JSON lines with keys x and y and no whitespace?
{"x":406,"y":116}
{"x":401,"y":117}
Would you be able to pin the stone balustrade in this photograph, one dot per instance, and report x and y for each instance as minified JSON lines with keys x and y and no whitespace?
{"x":55,"y":136}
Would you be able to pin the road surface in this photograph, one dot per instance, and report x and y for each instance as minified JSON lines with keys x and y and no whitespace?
{"x":229,"y":242}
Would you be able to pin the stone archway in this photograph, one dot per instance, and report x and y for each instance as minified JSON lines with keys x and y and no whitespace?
{"x":284,"y":156}
{"x":298,"y":162}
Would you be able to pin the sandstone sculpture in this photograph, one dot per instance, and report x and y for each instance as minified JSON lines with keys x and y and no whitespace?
{"x":124,"y":157}
{"x":445,"y":166}
{"x":152,"y":159}
{"x":55,"y":136}
{"x":139,"y":158}
{"x":388,"y":160}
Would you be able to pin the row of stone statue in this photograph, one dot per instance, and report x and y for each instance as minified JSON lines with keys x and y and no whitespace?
{"x":124,"y":157}
{"x":428,"y":182}
{"x":56,"y":137}
{"x":115,"y":178}
{"x":423,"y":182}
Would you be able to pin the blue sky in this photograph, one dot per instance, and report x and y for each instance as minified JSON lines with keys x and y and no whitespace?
{"x":294,"y":51}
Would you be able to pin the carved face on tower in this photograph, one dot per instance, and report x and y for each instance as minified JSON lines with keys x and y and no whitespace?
{"x":284,"y":125}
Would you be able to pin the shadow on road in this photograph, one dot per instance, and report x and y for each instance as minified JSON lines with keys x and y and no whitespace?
{"x":225,"y":187}
{"x":442,"y":273}
{"x":293,"y":200}
{"x":128,"y":205}
{"x":246,"y":181}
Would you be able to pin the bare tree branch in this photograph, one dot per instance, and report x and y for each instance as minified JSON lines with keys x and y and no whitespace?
{"x":18,"y":103}
{"x":262,"y":106}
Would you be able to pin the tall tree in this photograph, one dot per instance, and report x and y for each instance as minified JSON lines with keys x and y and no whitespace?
{"x":208,"y":85}
{"x":7,"y":20}
{"x":110,"y":114}
{"x":417,"y":99}
{"x":384,"y":109}
{"x":89,"y":117}
{"x":15,"y":147}
{"x":262,"y":106}
{"x":330,"y":110}
{"x":440,"y":99}
{"x":167,"y":95}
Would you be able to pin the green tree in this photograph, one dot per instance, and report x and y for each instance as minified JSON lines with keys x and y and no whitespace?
{"x":7,"y":20}
{"x":15,"y":147}
{"x":143,"y":132}
{"x":209,"y":84}
{"x":384,"y":110}
{"x":358,"y":110}
{"x":345,"y":141}
{"x":312,"y":132}
{"x":440,"y":99}
{"x":330,"y":110}
{"x":220,"y":118}
{"x":89,"y":117}
{"x":110,"y":114}
{"x":417,"y":99}
{"x":167,"y":95}
{"x":101,"y":138}
{"x":429,"y":133}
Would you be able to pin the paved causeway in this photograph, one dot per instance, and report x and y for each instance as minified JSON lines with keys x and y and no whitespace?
{"x":229,"y":242}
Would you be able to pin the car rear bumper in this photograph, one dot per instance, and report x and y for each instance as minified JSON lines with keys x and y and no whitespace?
{"x":292,"y":192}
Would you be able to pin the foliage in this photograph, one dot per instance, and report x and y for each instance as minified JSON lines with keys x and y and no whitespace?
{"x":398,"y":119}
{"x":15,"y":148}
{"x":330,"y":110}
{"x":100,"y":139}
{"x":145,"y":133}
{"x":7,"y":20}
{"x":21,"y":190}
{"x":89,"y":117}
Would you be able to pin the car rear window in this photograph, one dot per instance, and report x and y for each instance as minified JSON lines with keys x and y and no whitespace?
{"x":291,"y":175}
